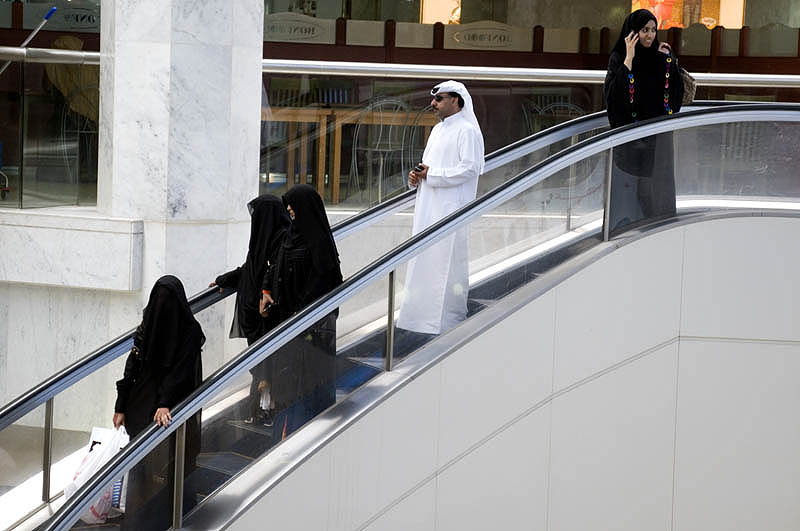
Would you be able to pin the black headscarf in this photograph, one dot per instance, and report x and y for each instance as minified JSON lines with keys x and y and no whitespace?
{"x":644,"y":58}
{"x":311,"y":223}
{"x":166,"y":321}
{"x":269,"y":222}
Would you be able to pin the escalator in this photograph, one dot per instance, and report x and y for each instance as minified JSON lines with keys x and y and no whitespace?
{"x":526,"y":236}
{"x":353,"y":369}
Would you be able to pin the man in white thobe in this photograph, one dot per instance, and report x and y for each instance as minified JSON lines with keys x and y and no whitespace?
{"x":437,"y":280}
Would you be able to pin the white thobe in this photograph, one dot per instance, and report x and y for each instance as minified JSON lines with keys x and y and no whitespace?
{"x":437,"y":281}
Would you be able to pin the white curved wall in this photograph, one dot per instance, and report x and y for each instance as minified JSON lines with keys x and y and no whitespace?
{"x":656,"y":389}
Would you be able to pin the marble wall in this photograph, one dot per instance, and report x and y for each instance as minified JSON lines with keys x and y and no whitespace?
{"x":178,"y":161}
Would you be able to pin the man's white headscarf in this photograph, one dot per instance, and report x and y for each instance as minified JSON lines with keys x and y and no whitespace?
{"x":468,"y":109}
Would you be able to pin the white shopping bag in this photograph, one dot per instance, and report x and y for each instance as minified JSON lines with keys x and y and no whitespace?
{"x":104,"y":443}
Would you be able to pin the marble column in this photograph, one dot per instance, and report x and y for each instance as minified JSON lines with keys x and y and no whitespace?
{"x":180,"y":97}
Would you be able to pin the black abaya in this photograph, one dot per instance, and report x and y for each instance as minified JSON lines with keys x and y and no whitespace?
{"x":268,"y":224}
{"x":306,"y":268}
{"x":164,"y":367}
{"x":643,"y":180}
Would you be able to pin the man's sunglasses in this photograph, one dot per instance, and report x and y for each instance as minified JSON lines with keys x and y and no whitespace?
{"x":440,"y":97}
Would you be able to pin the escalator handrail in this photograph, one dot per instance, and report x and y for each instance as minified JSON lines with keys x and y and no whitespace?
{"x":143,"y":444}
{"x":63,"y":379}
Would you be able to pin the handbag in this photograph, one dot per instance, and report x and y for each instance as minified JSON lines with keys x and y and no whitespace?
{"x":689,"y":87}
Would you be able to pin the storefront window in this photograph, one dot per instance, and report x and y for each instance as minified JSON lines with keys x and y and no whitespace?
{"x":684,"y":13}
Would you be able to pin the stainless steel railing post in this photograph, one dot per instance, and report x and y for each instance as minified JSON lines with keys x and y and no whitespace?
{"x":607,"y":195}
{"x":177,"y":495}
{"x":47,"y":450}
{"x":389,"y":350}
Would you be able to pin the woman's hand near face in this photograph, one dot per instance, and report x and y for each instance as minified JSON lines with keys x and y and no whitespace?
{"x":630,"y":49}
{"x":664,"y":48}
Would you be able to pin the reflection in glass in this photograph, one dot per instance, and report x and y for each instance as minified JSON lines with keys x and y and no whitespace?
{"x":60,"y":113}
{"x":736,"y":161}
{"x":10,"y":145}
{"x":355,"y":139}
{"x":642,"y":181}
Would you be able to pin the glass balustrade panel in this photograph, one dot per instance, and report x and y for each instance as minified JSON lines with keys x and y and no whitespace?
{"x":21,"y":460}
{"x":355,"y":139}
{"x":10,"y":137}
{"x":59,"y":135}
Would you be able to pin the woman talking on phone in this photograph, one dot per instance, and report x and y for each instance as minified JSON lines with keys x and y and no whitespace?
{"x":643,"y":81}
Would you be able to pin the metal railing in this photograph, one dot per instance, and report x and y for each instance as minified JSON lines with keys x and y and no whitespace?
{"x":399,"y":70}
{"x":143,"y":444}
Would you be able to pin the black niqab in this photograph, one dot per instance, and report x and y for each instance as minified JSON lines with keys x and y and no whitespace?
{"x":166,"y":321}
{"x":311,"y":223}
{"x":268,"y":220}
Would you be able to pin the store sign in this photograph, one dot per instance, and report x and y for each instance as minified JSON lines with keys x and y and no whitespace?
{"x":487,"y":35}
{"x":293,"y":27}
{"x":83,"y":18}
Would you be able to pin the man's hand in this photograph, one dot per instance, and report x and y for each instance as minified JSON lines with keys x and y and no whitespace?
{"x":266,"y":298}
{"x":118,"y":420}
{"x":162,"y":416}
{"x":414,"y":176}
{"x":212,"y":284}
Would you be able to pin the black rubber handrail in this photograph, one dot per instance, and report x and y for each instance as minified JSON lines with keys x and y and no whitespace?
{"x":145,"y":442}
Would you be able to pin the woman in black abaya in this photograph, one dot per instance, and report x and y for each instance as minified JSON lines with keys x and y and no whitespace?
{"x":643,"y":81}
{"x":306,"y":268}
{"x":162,"y":369}
{"x":269,"y":222}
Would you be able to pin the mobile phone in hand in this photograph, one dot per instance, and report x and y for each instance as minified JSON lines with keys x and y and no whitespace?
{"x":419,"y":167}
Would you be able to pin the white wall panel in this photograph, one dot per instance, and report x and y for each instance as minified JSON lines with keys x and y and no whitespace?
{"x":502,"y":484}
{"x":744,"y":285}
{"x":417,"y":511}
{"x":612,"y":449}
{"x":408,"y":437}
{"x":298,"y":503}
{"x":624,"y":304}
{"x":497,"y":377}
{"x":71,"y":248}
{"x":354,"y":481}
{"x":737,"y":459}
